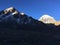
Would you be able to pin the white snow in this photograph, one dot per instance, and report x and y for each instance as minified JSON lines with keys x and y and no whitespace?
{"x":22,"y":13}
{"x":46,"y":19}
{"x":11,"y":8}
{"x":8,"y":9}
{"x":15,"y":13}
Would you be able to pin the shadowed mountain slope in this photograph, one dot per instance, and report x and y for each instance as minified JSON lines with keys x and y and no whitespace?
{"x":17,"y":28}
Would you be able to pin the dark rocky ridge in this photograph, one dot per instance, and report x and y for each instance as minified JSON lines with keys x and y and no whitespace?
{"x":20,"y":29}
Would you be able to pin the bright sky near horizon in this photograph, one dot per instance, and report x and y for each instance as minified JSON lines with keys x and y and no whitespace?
{"x":34,"y":8}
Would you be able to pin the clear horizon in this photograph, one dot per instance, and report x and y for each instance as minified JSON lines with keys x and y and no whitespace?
{"x":34,"y":8}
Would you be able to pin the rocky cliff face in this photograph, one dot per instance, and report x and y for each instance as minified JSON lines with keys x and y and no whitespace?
{"x":17,"y":28}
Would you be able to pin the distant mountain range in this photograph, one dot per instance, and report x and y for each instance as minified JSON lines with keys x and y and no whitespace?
{"x":17,"y":28}
{"x":11,"y":14}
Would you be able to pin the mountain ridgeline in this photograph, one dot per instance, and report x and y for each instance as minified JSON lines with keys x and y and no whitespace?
{"x":17,"y":28}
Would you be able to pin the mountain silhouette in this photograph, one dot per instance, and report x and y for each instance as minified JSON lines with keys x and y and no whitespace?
{"x":17,"y":28}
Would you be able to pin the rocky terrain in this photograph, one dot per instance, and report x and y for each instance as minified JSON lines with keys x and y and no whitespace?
{"x":17,"y":28}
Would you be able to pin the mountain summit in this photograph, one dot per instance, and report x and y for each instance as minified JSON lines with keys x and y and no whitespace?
{"x":47,"y":19}
{"x":13,"y":16}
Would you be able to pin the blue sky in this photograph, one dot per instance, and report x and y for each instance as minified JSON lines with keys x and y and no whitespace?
{"x":34,"y":8}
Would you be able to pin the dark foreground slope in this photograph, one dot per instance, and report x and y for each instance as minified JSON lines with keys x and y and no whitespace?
{"x":33,"y":36}
{"x":24,"y":30}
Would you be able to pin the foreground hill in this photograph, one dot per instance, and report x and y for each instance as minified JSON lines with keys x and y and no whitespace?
{"x":19,"y":29}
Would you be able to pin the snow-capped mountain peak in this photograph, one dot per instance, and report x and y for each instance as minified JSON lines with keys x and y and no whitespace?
{"x":14,"y":16}
{"x":10,"y":10}
{"x":47,"y":19}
